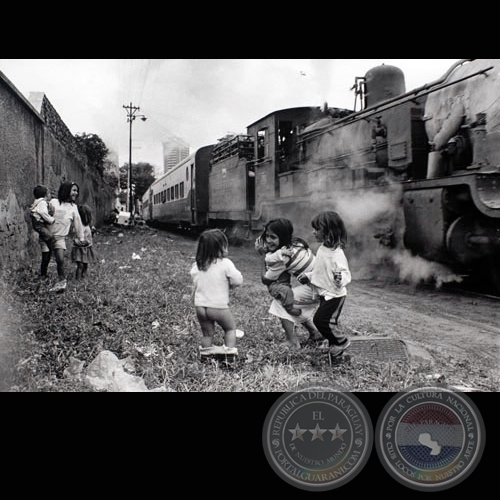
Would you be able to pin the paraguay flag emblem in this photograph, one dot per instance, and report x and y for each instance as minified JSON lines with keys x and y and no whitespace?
{"x":430,"y":436}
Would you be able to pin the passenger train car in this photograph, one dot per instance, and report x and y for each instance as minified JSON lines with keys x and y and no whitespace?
{"x":174,"y":199}
{"x":415,"y":169}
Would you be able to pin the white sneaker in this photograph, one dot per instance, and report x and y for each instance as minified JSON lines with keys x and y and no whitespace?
{"x":239,"y":334}
{"x":60,"y":286}
{"x":210,"y":351}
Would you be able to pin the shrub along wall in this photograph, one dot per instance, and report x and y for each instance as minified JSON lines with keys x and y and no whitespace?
{"x":36,"y":147}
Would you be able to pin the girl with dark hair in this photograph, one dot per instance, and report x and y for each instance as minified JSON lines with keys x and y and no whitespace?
{"x":277,"y":244}
{"x":330,"y":277}
{"x":286,"y":256}
{"x":213,"y":276}
{"x":65,"y":213}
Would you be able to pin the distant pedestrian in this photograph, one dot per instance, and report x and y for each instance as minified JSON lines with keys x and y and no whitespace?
{"x":330,"y":277}
{"x":214,"y":274}
{"x":41,"y":219}
{"x":66,"y":218}
{"x":83,"y":255}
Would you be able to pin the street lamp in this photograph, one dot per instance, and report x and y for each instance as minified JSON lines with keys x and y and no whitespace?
{"x":131,"y":116}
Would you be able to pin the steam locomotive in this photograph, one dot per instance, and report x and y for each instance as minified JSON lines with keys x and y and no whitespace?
{"x":418,"y":170}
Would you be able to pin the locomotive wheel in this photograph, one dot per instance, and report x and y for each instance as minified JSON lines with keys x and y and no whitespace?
{"x":456,"y":240}
{"x":482,"y":255}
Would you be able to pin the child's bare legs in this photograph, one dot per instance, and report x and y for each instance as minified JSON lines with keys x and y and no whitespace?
{"x":289,"y":327}
{"x":81,"y":270}
{"x":59,"y":254}
{"x":314,"y":333}
{"x":208,"y":316}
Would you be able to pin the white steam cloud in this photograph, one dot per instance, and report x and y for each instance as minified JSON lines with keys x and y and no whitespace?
{"x":375,"y":226}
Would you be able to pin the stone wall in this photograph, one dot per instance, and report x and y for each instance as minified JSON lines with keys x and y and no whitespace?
{"x":36,"y":147}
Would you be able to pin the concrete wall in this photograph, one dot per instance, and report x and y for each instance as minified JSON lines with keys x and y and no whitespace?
{"x":36,"y":147}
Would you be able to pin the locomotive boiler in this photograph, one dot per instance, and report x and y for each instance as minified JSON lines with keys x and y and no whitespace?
{"x":418,"y":169}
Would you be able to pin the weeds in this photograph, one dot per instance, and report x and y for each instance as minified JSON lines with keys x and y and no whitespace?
{"x":137,"y":303}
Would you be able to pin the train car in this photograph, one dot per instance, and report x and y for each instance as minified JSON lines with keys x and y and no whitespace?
{"x":230,"y":187}
{"x":180,"y":197}
{"x":416,"y":170}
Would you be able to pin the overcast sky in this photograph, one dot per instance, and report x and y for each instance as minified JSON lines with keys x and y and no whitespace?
{"x":195,"y":100}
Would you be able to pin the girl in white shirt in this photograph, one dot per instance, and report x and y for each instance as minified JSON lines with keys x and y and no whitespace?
{"x":330,"y":277}
{"x":213,"y":275}
{"x":67,"y":218}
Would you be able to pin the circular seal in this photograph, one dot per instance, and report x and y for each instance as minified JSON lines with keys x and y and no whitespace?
{"x":430,"y":438}
{"x":316,"y":438}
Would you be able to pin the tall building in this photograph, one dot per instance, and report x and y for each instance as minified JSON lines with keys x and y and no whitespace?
{"x":174,"y":151}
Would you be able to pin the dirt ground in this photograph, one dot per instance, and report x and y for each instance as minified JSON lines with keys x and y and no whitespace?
{"x":444,"y":324}
{"x":441,"y":327}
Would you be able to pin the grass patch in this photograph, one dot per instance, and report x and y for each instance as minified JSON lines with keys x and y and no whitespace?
{"x":141,"y":309}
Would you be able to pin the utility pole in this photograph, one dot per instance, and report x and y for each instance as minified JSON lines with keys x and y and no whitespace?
{"x":131,"y":116}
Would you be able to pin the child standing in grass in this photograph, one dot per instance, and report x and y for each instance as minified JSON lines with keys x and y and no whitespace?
{"x":213,"y":276}
{"x":286,"y":256}
{"x":82,"y":255}
{"x":330,"y":277}
{"x":66,"y":218}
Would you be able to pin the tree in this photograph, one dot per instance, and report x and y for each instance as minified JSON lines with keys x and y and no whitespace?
{"x":95,"y":150}
{"x":110,"y":175}
{"x":142,"y":177}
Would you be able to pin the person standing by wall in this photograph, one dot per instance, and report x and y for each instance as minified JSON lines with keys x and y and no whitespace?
{"x":82,"y":255}
{"x":66,"y":218}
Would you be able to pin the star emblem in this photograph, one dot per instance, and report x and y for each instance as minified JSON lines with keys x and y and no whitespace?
{"x":297,"y":433}
{"x":337,"y":433}
{"x":317,"y":433}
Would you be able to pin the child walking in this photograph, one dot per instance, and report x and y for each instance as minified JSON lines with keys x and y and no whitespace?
{"x":286,"y":256}
{"x":82,"y":255}
{"x":41,"y":219}
{"x":213,"y":276}
{"x":330,"y":277}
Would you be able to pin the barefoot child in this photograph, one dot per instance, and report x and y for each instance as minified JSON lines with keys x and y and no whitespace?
{"x":286,"y":256}
{"x":281,"y":251}
{"x":213,"y":276}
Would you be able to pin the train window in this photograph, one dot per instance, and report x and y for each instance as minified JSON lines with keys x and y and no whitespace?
{"x":181,"y":189}
{"x":172,"y":192}
{"x":176,"y":191}
{"x":187,"y":173}
{"x":168,"y":194}
{"x":261,"y":144}
{"x":285,"y":135}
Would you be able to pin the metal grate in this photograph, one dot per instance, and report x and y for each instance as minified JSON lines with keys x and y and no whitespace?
{"x":380,"y":349}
